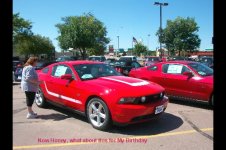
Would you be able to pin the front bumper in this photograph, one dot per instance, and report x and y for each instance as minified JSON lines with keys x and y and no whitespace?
{"x":128,"y":114}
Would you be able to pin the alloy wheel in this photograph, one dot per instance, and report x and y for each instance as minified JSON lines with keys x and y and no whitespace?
{"x":97,"y":114}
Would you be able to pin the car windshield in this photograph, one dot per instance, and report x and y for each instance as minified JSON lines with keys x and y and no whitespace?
{"x":206,"y":60}
{"x":125,"y":59}
{"x":40,"y":64}
{"x":93,"y":71}
{"x":94,"y":58}
{"x":153,"y":59}
{"x":201,"y":69}
{"x":64,"y":58}
{"x":120,"y":63}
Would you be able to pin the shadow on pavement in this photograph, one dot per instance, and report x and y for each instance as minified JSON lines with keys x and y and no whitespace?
{"x":164,"y":123}
{"x":65,"y":113}
{"x":54,"y":117}
{"x":197,"y":104}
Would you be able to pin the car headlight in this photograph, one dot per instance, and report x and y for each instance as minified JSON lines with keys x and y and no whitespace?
{"x":132,"y":100}
{"x":143,"y":99}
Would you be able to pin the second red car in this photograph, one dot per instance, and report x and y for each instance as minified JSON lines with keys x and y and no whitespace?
{"x":181,"y":79}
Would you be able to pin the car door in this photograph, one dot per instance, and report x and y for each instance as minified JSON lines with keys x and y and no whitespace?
{"x":50,"y":85}
{"x":174,"y":81}
{"x":68,"y":88}
{"x":154,"y":74}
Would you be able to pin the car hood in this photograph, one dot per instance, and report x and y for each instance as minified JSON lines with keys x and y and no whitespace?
{"x":126,"y":86}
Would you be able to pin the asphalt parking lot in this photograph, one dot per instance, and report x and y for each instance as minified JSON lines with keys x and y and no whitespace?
{"x":184,"y":125}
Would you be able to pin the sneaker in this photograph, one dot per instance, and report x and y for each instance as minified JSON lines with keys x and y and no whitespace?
{"x":31,"y":116}
{"x":34,"y":113}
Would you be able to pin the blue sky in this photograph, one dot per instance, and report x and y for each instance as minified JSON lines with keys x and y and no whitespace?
{"x":123,"y":18}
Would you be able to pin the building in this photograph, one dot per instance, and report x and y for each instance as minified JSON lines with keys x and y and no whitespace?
{"x":206,"y":52}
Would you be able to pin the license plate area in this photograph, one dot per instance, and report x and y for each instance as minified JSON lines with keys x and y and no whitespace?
{"x":159,"y":109}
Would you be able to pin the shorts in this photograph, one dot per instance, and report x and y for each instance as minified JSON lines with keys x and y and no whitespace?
{"x":30,"y":97}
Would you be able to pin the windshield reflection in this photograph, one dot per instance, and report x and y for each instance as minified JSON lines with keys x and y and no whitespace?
{"x":201,"y":69}
{"x":93,"y":71}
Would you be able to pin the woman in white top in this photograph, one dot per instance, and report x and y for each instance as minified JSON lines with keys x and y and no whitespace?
{"x":29,"y":84}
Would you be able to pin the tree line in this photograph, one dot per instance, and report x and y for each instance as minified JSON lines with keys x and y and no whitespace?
{"x":26,"y":42}
{"x":87,"y":35}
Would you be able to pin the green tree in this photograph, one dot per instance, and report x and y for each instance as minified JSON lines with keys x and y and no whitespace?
{"x":97,"y":50}
{"x":35,"y":45}
{"x":139,"y":49}
{"x":21,"y":28}
{"x":180,"y":35}
{"x":83,"y":33}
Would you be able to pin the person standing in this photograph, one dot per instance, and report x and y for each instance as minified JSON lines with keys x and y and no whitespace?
{"x":29,"y":84}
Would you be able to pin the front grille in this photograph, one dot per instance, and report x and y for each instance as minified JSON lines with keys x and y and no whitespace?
{"x":150,"y":99}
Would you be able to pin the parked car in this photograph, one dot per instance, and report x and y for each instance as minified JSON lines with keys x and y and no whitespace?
{"x":97,"y":91}
{"x":39,"y":66}
{"x":125,"y":66}
{"x":97,"y":58}
{"x":43,"y":64}
{"x":128,"y":58}
{"x":208,"y":61}
{"x":181,"y":79}
{"x":18,"y":74}
{"x":110,"y":61}
{"x":17,"y":63}
{"x":174,"y":58}
{"x":66,"y":58}
{"x":150,"y":60}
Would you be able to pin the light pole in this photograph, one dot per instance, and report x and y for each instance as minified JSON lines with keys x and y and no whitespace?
{"x":118,"y":45}
{"x":160,"y":4}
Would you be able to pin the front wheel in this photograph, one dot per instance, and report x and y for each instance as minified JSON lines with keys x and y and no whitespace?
{"x":98,"y":114}
{"x":40,"y":99}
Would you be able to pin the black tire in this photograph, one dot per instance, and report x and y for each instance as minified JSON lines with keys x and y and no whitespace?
{"x":40,"y":100}
{"x":103,"y":123}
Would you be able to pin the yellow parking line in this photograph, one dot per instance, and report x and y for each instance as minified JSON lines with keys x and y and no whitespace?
{"x":81,"y":143}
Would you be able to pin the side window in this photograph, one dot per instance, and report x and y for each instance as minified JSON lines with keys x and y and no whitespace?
{"x":185,"y":69}
{"x":165,"y":68}
{"x":153,"y":68}
{"x":135,"y":65}
{"x":174,"y":69}
{"x":60,"y":70}
{"x":45,"y":70}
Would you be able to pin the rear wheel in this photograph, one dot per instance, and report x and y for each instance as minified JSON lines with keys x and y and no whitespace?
{"x":40,"y":99}
{"x":98,"y":114}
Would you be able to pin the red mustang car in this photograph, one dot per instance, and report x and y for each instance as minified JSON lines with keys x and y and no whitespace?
{"x":99,"y":92}
{"x":181,"y":79}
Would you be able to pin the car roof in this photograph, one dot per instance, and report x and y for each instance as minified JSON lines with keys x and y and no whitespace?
{"x":78,"y":62}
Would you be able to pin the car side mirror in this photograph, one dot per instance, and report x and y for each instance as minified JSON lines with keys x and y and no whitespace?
{"x":187,"y":73}
{"x":67,"y":77}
